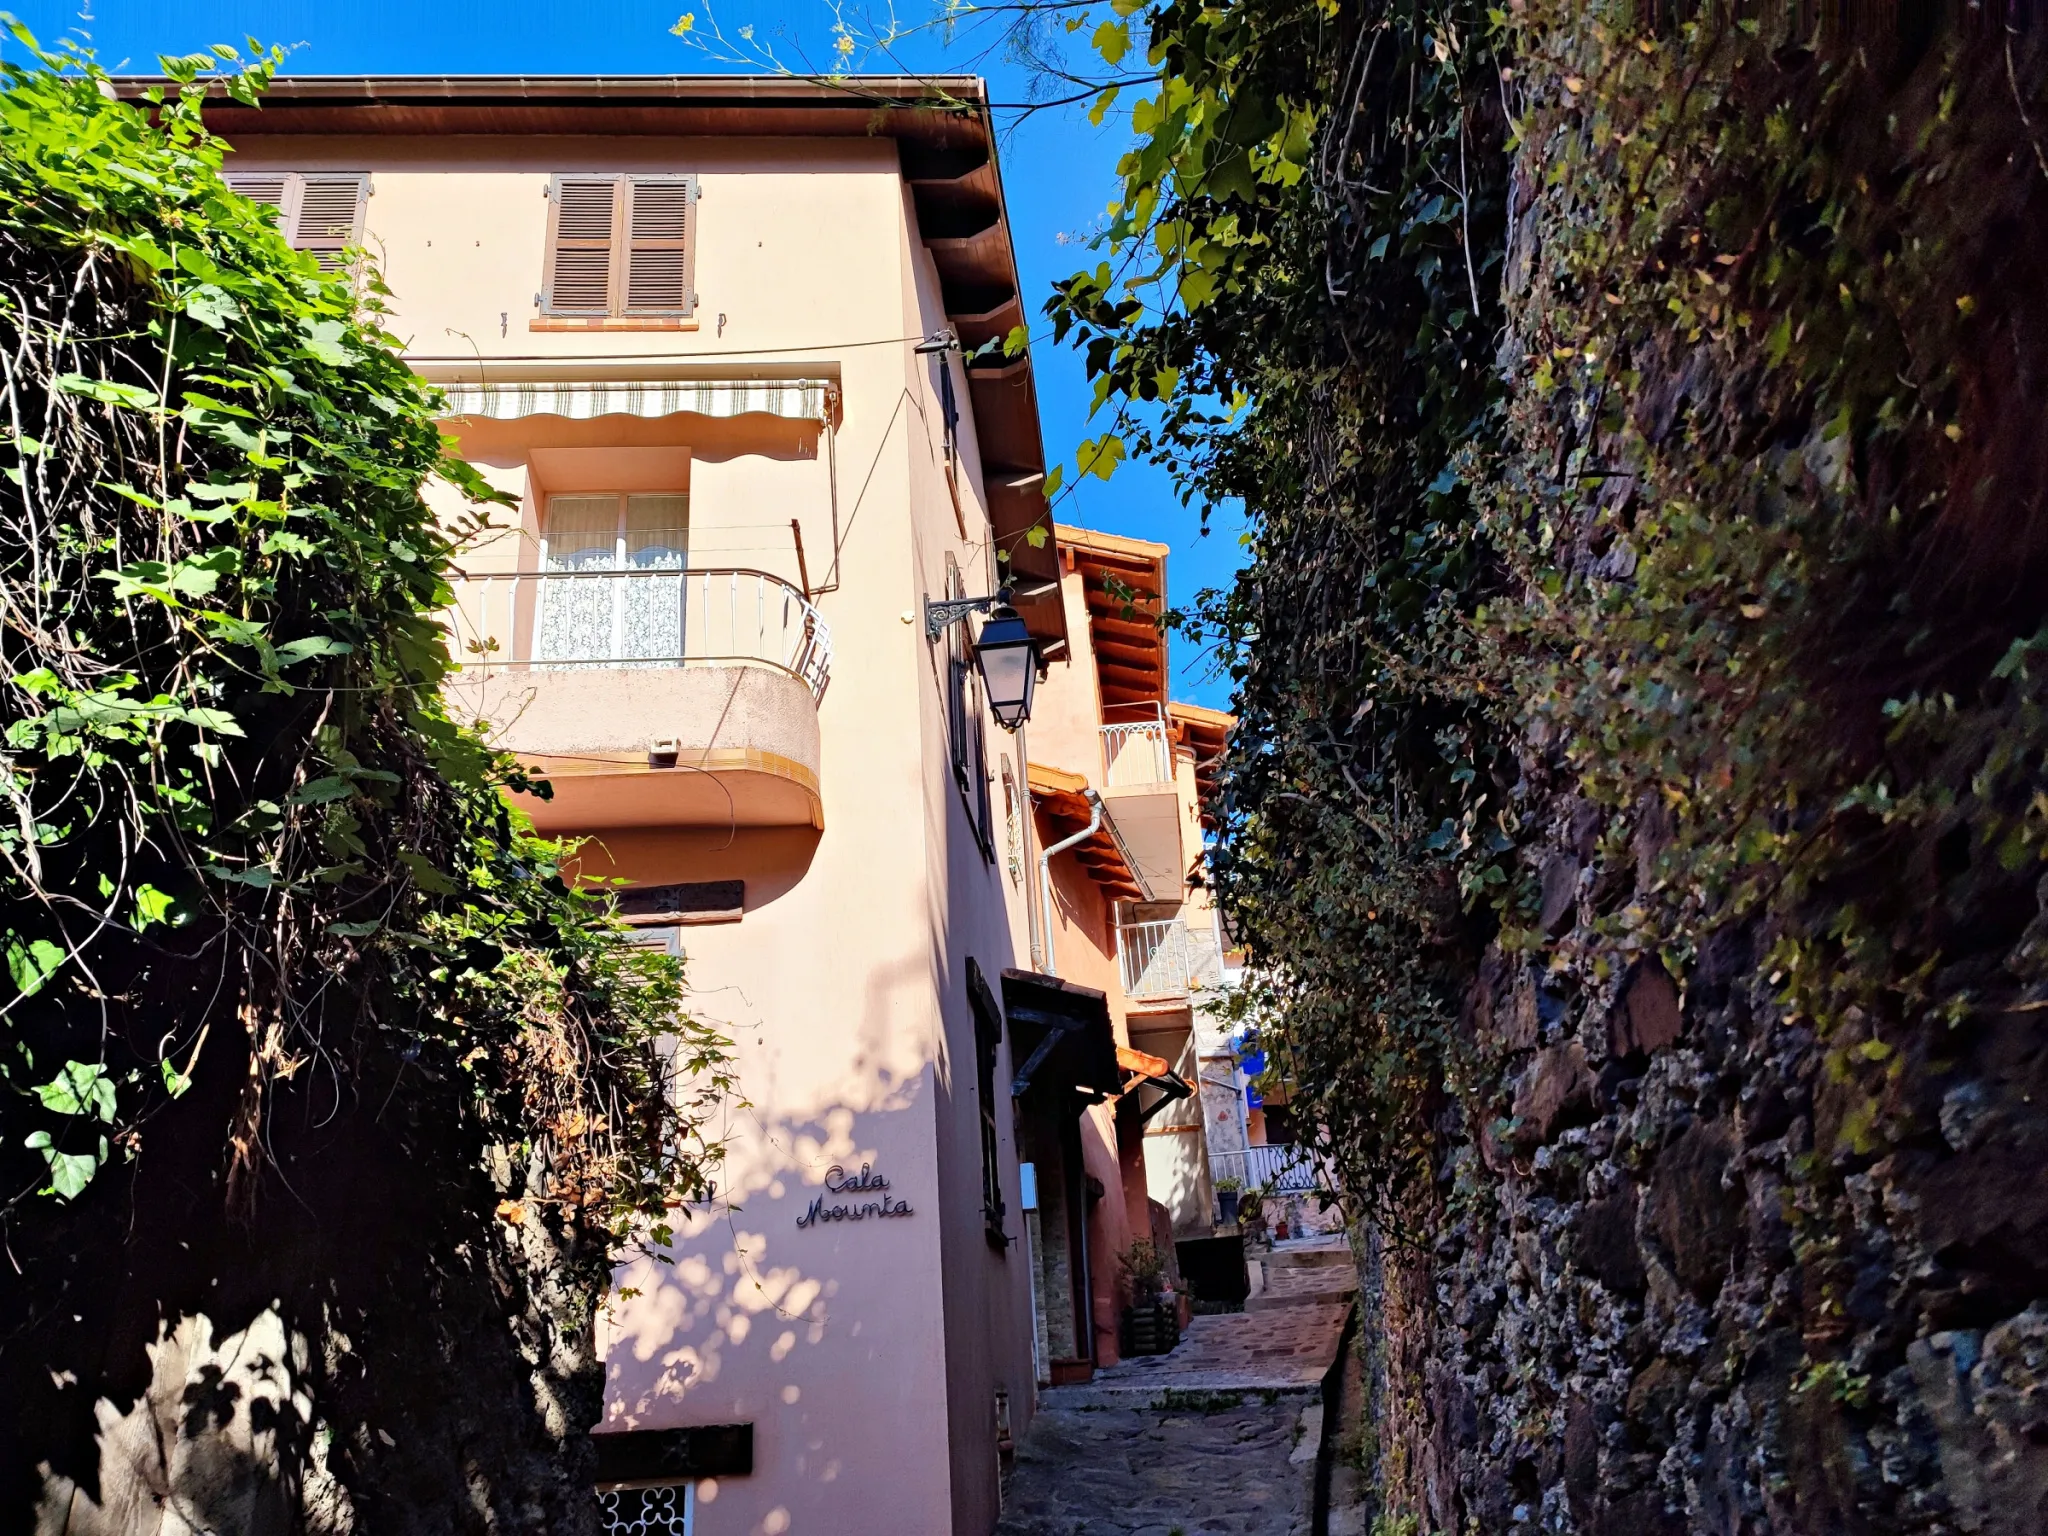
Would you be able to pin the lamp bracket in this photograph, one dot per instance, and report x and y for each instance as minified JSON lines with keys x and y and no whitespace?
{"x":941,"y":614}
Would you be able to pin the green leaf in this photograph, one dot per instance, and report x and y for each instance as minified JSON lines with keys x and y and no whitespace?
{"x":152,"y":906}
{"x":82,"y":1088}
{"x":1053,"y":478}
{"x":425,"y":875}
{"x":175,"y":1082}
{"x":294,"y":651}
{"x":107,"y":390}
{"x":1099,"y":456}
{"x":322,"y":791}
{"x":32,"y":964}
{"x":219,"y":721}
{"x":70,"y":1172}
{"x":211,"y":306}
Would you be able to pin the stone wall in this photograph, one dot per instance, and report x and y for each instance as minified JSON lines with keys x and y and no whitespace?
{"x":1677,"y":1297}
{"x":1692,"y":1262}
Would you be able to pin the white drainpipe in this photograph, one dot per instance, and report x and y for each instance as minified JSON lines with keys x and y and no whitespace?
{"x":1045,"y":872}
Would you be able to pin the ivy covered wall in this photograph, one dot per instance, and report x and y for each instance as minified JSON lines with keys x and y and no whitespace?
{"x":1638,"y":809}
{"x":325,"y":1102}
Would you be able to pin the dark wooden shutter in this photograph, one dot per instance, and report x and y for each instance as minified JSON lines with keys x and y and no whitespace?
{"x":658,"y":246}
{"x":585,"y":219}
{"x":329,"y":217}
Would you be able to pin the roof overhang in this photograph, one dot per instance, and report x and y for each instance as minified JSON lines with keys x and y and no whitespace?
{"x":1124,"y":585}
{"x":1063,"y":797}
{"x":1062,"y":1044}
{"x":945,"y":141}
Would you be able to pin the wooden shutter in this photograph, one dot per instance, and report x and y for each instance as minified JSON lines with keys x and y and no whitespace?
{"x":580,"y":249}
{"x":658,"y":245}
{"x":322,"y":214}
{"x":266,"y":188}
{"x":329,"y":216}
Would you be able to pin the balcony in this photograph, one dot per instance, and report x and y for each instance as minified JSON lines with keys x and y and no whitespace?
{"x":1138,"y":785}
{"x":1290,"y":1170}
{"x":650,"y":698}
{"x":1167,"y":961}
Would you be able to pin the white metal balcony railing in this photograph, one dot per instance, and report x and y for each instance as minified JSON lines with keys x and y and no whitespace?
{"x":1167,"y":959}
{"x":1277,"y":1170}
{"x":544,"y":620}
{"x":1136,"y":754}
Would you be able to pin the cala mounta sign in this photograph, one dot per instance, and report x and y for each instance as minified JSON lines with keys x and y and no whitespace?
{"x":853,"y":1197}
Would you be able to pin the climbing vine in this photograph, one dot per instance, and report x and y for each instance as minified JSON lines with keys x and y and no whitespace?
{"x":244,"y":846}
{"x":1631,"y":416}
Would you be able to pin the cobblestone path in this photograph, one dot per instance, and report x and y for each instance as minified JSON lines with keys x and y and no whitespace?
{"x":1216,"y":1439}
{"x":1173,"y":1464}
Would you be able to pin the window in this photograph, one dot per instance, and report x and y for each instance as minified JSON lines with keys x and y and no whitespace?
{"x":321,"y":213}
{"x":621,"y":246}
{"x":966,"y":736}
{"x":661,"y":1509}
{"x":614,"y":589}
{"x":988,"y":1034}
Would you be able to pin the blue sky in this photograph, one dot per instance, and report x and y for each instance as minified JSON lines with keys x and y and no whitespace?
{"x":1058,"y":169}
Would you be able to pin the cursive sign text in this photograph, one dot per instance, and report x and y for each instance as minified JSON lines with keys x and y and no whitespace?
{"x":867,"y":1183}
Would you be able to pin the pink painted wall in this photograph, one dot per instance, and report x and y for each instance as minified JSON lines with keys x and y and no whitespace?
{"x":866,"y":1355}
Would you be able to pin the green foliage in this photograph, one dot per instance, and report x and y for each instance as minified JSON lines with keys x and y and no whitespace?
{"x":1631,"y":415}
{"x":242,"y":841}
{"x":1325,"y":307}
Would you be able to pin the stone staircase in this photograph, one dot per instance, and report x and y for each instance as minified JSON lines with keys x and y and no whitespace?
{"x":1311,"y":1271}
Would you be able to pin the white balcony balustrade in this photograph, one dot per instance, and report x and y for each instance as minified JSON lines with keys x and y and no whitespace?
{"x":1136,"y":754}
{"x":637,"y":618}
{"x":1167,"y":959}
{"x":648,"y":697}
{"x":1292,"y":1170}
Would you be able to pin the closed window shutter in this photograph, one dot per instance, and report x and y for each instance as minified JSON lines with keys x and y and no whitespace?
{"x":268,"y":190}
{"x":658,"y":246}
{"x":329,"y":217}
{"x":580,"y":258}
{"x":321,"y":214}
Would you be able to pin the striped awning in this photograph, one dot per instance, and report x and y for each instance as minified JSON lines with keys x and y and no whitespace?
{"x":797,"y":399}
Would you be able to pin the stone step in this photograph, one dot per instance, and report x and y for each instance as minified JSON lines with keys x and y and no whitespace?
{"x":1325,"y":1253}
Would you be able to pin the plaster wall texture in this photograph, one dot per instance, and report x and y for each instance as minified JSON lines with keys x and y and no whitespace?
{"x":866,"y":1354}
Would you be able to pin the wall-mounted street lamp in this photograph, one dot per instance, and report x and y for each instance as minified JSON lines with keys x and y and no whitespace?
{"x":1004,"y":651}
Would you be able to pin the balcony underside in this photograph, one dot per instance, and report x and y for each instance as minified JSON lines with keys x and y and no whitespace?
{"x":743,"y":741}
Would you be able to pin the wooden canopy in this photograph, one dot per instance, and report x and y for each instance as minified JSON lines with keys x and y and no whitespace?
{"x":1125,"y":582}
{"x":1060,"y":795}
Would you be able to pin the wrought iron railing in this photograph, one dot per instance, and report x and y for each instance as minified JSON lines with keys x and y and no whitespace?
{"x":547,"y":620}
{"x":1290,"y":1170}
{"x":1167,"y":959}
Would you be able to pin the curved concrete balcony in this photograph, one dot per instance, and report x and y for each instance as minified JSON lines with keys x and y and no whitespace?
{"x":649,"y":698}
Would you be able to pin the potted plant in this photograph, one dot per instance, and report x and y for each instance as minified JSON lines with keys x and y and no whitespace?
{"x":1228,"y":1192}
{"x":1151,"y":1321}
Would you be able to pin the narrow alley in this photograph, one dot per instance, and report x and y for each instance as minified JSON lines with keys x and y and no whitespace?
{"x":1220,"y":1437}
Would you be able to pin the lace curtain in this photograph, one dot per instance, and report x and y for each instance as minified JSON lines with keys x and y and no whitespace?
{"x":612,"y":603}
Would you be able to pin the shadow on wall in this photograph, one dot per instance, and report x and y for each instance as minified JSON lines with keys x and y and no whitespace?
{"x":727,"y":1290}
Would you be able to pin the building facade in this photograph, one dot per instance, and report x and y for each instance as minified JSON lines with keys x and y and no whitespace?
{"x":710,"y":336}
{"x":713,"y":339}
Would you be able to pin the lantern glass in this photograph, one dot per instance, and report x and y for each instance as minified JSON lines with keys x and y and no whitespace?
{"x":1008,"y":658}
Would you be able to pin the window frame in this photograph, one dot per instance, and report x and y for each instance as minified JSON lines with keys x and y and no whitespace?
{"x":618,"y":276}
{"x":967,"y":724}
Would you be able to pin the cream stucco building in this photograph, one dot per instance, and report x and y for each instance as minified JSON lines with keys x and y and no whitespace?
{"x":713,"y":336}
